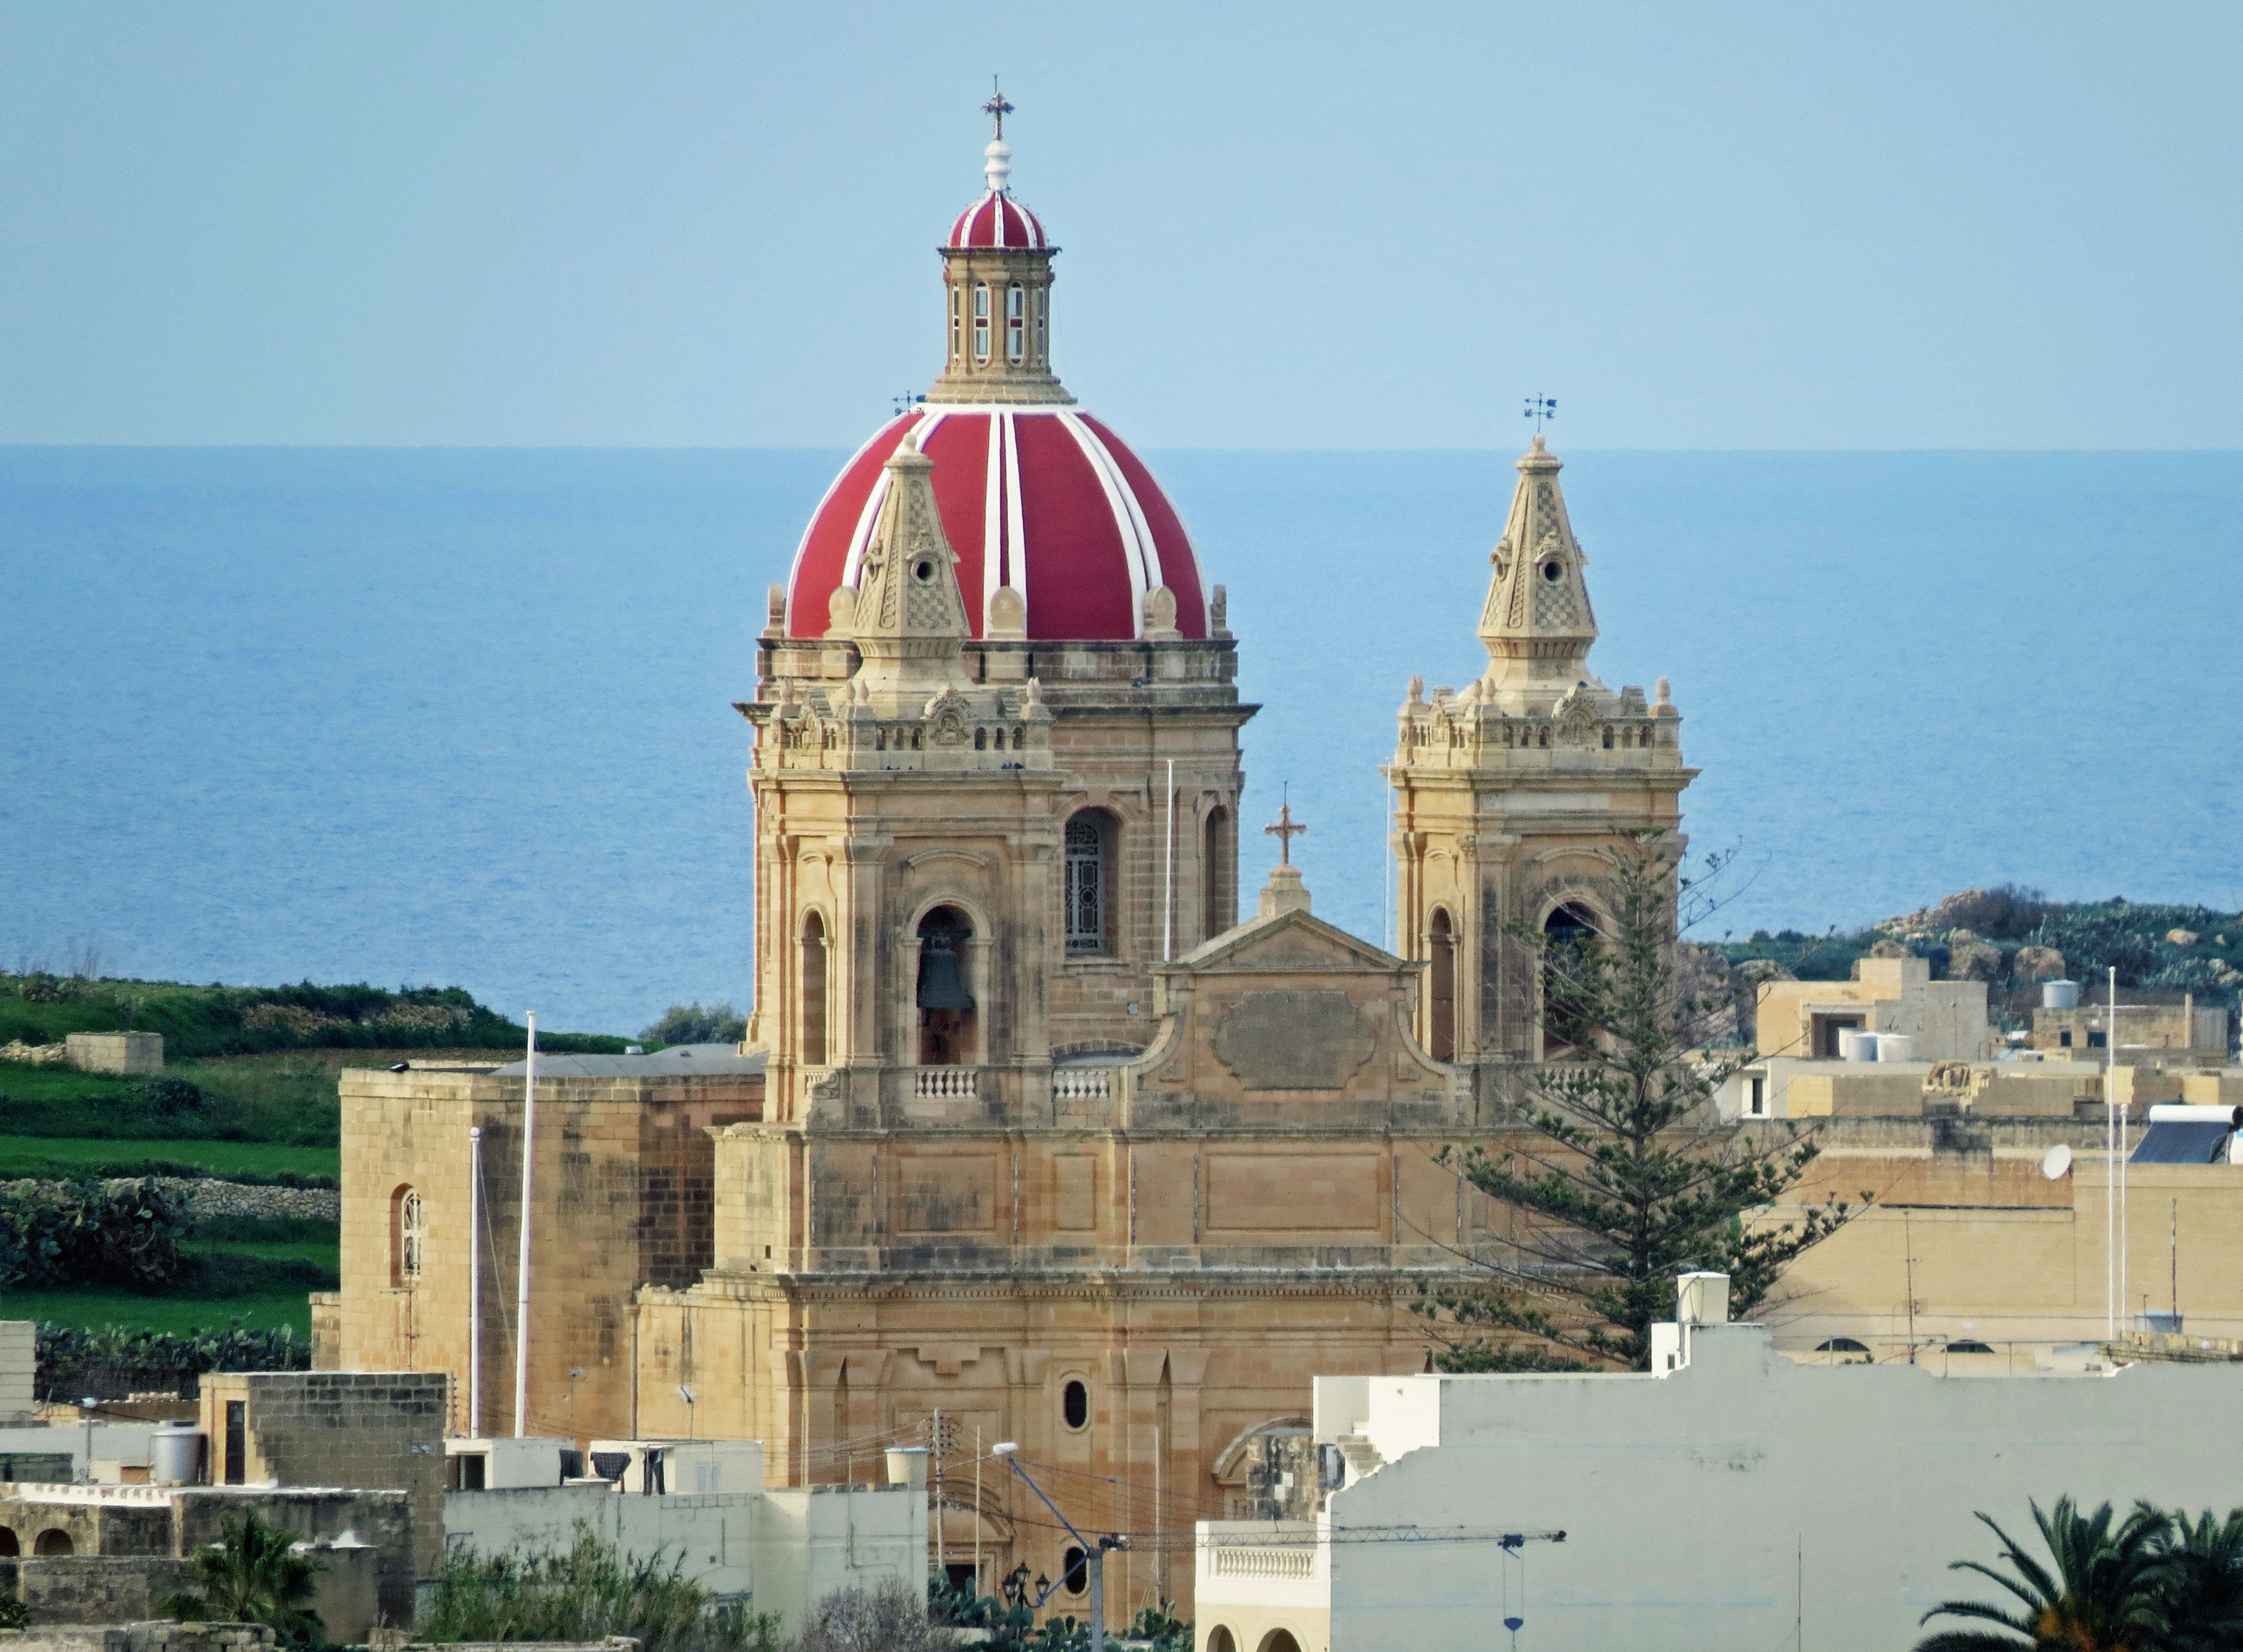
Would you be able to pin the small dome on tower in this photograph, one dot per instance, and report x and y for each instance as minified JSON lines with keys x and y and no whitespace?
{"x":998,"y":221}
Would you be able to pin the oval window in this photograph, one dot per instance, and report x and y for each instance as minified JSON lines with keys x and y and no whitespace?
{"x":1074,"y":1403}
{"x":1553,"y":572}
{"x":923,"y":572}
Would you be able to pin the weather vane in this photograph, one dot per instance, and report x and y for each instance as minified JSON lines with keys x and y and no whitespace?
{"x":904,"y":403}
{"x":997,"y":108}
{"x":1286,"y":829}
{"x":1541,"y":408}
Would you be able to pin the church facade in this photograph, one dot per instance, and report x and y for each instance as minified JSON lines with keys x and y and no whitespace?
{"x":1032,"y":1139}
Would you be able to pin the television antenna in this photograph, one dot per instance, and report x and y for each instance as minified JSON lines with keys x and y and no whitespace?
{"x":1541,"y":409}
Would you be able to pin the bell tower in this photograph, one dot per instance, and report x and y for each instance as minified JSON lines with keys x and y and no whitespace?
{"x":1507,"y":793}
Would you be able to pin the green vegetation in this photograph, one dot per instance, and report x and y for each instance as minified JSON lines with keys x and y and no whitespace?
{"x":2151,"y":1582}
{"x":1621,"y":1192}
{"x":253,"y":1575}
{"x":691,"y":1024}
{"x":585,"y":1593}
{"x":116,"y":1360}
{"x":255,"y":1162}
{"x":66,"y":1233}
{"x":101,"y":1308}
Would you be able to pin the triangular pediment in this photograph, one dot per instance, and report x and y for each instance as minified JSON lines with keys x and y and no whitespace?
{"x":1290,"y":941}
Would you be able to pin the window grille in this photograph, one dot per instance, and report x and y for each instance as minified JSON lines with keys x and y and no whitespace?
{"x":1086,"y":886}
{"x":412,"y":1235}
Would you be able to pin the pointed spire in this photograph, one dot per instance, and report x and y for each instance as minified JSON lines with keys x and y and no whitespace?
{"x":1538,"y":624}
{"x":909,"y":619}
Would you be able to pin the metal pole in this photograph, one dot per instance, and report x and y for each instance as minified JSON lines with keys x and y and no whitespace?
{"x":522,"y":1263}
{"x":2110,"y":1173}
{"x":1097,"y":1600}
{"x":475,"y":1282}
{"x":941,"y":1556}
{"x":2125,"y":1224}
{"x":1169,"y":876}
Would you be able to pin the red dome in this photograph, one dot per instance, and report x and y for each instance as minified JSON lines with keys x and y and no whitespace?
{"x":999,"y":220}
{"x":1048,"y":501}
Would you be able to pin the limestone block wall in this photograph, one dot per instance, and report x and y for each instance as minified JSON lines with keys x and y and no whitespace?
{"x":148,"y":1636}
{"x":139,"y":1053}
{"x":95,"y":1589}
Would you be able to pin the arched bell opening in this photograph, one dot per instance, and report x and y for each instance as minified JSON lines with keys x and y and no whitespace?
{"x":946,"y":1010}
{"x":1441,"y":989}
{"x":813,"y":991}
{"x":1568,"y":935}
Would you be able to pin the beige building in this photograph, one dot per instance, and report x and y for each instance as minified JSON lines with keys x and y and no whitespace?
{"x":1942,"y":1021}
{"x":2152,"y":1027}
{"x":1032,"y":1140}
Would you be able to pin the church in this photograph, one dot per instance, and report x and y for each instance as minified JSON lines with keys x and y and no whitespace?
{"x":1033,"y":1137}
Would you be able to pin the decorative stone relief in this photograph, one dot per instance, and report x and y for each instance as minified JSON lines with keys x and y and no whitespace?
{"x":1294,"y":1040}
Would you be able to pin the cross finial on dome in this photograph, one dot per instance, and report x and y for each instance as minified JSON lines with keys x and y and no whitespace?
{"x":997,"y":108}
{"x":1285,"y":830}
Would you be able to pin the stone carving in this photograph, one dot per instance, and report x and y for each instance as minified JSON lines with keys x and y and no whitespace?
{"x":1294,"y":1040}
{"x":1577,"y":716}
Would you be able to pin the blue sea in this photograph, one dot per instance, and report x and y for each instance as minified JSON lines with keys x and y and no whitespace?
{"x":465,"y":716}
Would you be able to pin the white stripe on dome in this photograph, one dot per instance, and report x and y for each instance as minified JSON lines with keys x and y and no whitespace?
{"x":1117,"y":488}
{"x":992,"y":525}
{"x":1156,"y":571}
{"x":1015,"y":535}
{"x":794,"y":572}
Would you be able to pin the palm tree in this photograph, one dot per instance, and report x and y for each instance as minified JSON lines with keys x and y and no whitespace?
{"x":2106,"y":1592}
{"x":253,"y":1576}
{"x":2205,"y":1588}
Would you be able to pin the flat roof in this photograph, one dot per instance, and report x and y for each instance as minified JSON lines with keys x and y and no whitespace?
{"x":678,"y":1058}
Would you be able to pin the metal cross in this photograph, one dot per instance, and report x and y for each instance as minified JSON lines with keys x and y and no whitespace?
{"x":1285,"y":830}
{"x":906,"y":403}
{"x":1539,"y":408}
{"x":997,"y":108}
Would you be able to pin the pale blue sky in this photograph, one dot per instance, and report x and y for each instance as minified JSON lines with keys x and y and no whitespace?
{"x":1287,"y":225}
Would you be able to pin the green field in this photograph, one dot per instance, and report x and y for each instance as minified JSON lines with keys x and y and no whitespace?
{"x":88,"y":1305}
{"x":37,"y":1155}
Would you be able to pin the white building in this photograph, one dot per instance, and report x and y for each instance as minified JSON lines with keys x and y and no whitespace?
{"x":702,"y":1503}
{"x":1730,"y":1499}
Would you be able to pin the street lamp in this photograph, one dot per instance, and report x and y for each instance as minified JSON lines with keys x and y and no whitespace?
{"x":1093,"y":1554}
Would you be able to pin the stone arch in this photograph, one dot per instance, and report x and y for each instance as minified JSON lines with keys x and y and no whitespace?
{"x":10,"y":1545}
{"x":1218,"y":870}
{"x":54,"y":1541}
{"x":1219,"y":1639}
{"x":812,"y":985}
{"x":943,"y":997}
{"x":1279,"y":1640}
{"x":1569,"y":925}
{"x":1441,"y":987}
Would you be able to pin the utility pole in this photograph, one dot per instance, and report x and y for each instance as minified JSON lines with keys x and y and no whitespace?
{"x":1093,"y":1554}
{"x":522,"y":1263}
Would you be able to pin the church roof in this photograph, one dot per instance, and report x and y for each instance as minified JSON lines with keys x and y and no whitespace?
{"x":1049,"y":502}
{"x":998,"y":220}
{"x":712,"y":1060}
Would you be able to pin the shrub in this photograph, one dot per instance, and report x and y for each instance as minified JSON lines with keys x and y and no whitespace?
{"x":893,"y":1618}
{"x":691,"y":1024}
{"x":115,"y":1360}
{"x":585,"y":1593}
{"x":84,"y":1232}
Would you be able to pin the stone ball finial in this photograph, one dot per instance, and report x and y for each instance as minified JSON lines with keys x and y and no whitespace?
{"x":841,"y":611}
{"x":1007,"y":616}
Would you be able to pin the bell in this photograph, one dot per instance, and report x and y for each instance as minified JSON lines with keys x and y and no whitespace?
{"x":941,"y":985}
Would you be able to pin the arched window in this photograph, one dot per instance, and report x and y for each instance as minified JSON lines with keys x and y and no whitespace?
{"x":813,"y":991}
{"x":1040,"y":301}
{"x":1016,"y":323}
{"x":54,"y":1540}
{"x":1090,"y":887}
{"x":1279,"y":1641}
{"x":1215,"y":875}
{"x":1441,"y":1017}
{"x":980,"y":321}
{"x":9,"y":1545}
{"x":1074,"y":1569}
{"x":1568,"y":933}
{"x":1219,"y":1639}
{"x":956,"y":325}
{"x":946,"y":1003}
{"x":409,"y":1234}
{"x":1075,"y":1403}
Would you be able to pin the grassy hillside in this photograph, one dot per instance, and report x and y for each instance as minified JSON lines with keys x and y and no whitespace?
{"x":40,"y":1008}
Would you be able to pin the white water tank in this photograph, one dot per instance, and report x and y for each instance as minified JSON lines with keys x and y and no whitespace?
{"x":1855,"y":1045}
{"x":2059,"y":994}
{"x":1896,"y":1046}
{"x":176,"y":1451}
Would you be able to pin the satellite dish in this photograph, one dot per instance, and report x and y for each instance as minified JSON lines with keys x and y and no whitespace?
{"x":2056,"y":1163}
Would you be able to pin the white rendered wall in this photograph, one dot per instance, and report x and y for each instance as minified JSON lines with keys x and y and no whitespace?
{"x":1704,"y":1508}
{"x":784,"y":1550}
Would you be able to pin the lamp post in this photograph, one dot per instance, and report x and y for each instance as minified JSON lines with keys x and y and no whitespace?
{"x":1093,"y":1554}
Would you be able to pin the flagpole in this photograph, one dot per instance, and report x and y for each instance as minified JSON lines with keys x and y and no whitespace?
{"x":522,"y":1263}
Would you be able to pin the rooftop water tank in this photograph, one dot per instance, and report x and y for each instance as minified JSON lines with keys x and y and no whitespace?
{"x":176,"y":1454}
{"x":1896,"y":1046}
{"x":2059,"y":994}
{"x":1855,"y":1045}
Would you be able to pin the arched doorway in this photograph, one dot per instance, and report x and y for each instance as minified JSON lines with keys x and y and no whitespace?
{"x":54,"y":1540}
{"x":1219,"y":1639}
{"x":1221,"y":900}
{"x":946,"y":1003}
{"x":1441,"y":990}
{"x":1568,"y":934}
{"x":1279,"y":1641}
{"x":8,"y":1546}
{"x":813,"y":991}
